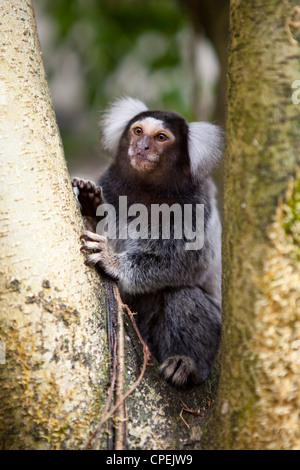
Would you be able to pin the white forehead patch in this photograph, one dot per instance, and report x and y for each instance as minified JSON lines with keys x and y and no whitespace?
{"x":153,"y":126}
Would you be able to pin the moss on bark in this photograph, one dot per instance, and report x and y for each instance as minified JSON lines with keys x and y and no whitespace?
{"x":262,"y":154}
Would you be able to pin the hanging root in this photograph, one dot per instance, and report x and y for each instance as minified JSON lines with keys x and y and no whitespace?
{"x":118,"y":368}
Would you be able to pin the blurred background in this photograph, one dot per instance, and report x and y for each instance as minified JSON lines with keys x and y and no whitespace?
{"x":169,"y":53}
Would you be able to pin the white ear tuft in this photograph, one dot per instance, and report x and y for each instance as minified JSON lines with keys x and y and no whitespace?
{"x":116,"y":118}
{"x":205,"y":143}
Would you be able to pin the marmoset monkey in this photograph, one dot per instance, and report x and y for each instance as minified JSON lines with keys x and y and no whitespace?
{"x":160,"y":158}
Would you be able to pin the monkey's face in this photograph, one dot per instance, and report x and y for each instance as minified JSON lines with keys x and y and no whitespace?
{"x":149,"y":141}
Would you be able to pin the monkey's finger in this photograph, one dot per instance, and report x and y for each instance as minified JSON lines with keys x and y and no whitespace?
{"x":94,"y":258}
{"x":75,"y":182}
{"x":82,"y":184}
{"x":92,"y":246}
{"x":93,"y":236}
{"x":78,"y":183}
{"x":97,"y":201}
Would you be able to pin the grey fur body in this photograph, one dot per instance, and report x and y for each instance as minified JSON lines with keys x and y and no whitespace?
{"x":175,"y":292}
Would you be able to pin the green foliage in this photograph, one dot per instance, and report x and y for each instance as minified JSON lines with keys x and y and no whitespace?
{"x":121,"y":47}
{"x":105,"y":33}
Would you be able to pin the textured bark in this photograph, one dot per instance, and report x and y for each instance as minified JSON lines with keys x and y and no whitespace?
{"x":51,"y":305}
{"x":259,"y":398}
{"x":54,"y":371}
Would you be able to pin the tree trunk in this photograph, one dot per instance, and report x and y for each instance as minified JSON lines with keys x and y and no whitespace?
{"x":55,"y":363}
{"x":259,"y":397}
{"x":51,"y":304}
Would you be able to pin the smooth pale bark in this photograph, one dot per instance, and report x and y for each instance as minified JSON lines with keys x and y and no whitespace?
{"x":259,"y":395}
{"x":51,"y":305}
{"x":54,"y":353}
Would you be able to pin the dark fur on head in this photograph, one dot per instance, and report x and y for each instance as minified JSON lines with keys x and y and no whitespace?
{"x":173,"y":169}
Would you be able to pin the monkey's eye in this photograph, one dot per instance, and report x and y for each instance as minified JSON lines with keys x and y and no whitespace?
{"x":161,"y":137}
{"x":138,"y":130}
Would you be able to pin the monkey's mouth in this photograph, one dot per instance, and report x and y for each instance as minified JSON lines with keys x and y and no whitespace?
{"x":142,"y":163}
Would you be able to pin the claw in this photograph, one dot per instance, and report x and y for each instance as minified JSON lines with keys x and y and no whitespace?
{"x":98,"y":246}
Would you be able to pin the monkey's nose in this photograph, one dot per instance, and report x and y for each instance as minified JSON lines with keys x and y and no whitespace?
{"x":143,"y":143}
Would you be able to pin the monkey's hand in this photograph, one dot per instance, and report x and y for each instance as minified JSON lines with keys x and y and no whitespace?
{"x":89,"y":196}
{"x":100,"y":253}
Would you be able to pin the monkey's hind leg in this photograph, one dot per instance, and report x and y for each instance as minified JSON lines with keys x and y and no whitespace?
{"x":192,"y":321}
{"x":89,"y":195}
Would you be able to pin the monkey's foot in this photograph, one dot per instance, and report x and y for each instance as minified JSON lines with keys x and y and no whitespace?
{"x":89,"y":195}
{"x":179,"y":371}
{"x":97,"y":245}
